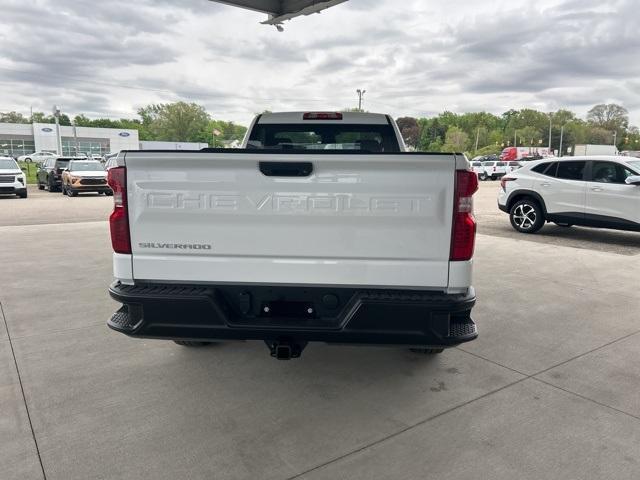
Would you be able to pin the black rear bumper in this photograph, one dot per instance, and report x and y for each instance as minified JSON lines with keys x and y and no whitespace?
{"x":313,"y":314}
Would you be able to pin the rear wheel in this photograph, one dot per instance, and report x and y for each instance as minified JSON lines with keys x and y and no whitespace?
{"x":40,"y":186}
{"x":526,"y":216}
{"x":52,"y":185}
{"x":427,"y":351}
{"x":483,"y":176}
{"x":189,"y":343}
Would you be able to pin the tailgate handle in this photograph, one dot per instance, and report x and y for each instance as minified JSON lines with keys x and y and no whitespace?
{"x":286,"y":169}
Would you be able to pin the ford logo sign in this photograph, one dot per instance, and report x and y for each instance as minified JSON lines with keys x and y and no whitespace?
{"x":47,"y":129}
{"x":124,"y":134}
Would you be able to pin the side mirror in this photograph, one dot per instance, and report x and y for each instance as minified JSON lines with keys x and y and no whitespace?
{"x":633,"y":180}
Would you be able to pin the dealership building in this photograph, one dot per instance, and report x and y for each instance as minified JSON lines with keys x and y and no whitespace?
{"x":20,"y":139}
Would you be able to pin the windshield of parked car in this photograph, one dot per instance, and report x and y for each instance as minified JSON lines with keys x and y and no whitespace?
{"x":8,"y":163}
{"x":85,"y":166}
{"x":370,"y":138}
{"x":635,"y":164}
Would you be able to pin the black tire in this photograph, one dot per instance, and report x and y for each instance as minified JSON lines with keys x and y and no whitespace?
{"x":427,"y":351}
{"x":483,"y":177}
{"x":23,"y":195}
{"x":40,"y":186}
{"x":69,"y":192}
{"x":526,"y":216}
{"x":190,"y":343}
{"x":51,"y":186}
{"x":109,"y":193}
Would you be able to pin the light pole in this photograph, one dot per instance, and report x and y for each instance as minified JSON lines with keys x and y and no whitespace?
{"x":56,"y":116}
{"x":615,"y":137}
{"x":75,"y":138}
{"x":550,"y":126}
{"x":561,"y":138}
{"x":360,"y":95}
{"x":515,"y":138}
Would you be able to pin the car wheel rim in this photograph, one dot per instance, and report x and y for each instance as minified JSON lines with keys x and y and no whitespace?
{"x":524,"y":216}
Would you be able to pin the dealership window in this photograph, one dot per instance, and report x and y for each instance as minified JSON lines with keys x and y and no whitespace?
{"x":89,"y":146}
{"x":16,"y":146}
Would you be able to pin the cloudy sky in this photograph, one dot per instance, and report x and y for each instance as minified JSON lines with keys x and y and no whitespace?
{"x":414,"y":57}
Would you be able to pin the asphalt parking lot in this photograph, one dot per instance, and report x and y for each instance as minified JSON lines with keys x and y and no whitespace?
{"x":551,"y":389}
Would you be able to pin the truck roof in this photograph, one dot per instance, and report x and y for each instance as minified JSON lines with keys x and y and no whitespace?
{"x":347,"y":117}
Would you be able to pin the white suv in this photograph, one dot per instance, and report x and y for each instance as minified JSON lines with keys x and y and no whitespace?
{"x":596,"y":191}
{"x":12,"y":178}
{"x":493,"y":170}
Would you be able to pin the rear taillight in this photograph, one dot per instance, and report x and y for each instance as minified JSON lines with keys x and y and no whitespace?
{"x":322,"y":116}
{"x":463,"y":236}
{"x":504,"y":180}
{"x":119,"y":219}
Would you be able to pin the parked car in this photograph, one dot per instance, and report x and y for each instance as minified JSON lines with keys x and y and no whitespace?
{"x":512,"y":166}
{"x":110,"y":160}
{"x":12,"y":178}
{"x":598,"y":191}
{"x":493,"y":170}
{"x":82,"y":176}
{"x":37,"y":157}
{"x":289,"y":243}
{"x":477,"y":167}
{"x":49,"y":174}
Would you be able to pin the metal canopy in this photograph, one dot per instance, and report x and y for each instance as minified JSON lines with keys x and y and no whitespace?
{"x":281,"y":10}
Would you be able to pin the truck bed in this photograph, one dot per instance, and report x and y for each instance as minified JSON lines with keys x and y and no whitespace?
{"x":291,"y":218}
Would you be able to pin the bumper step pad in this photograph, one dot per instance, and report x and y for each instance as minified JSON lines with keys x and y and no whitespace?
{"x":363,"y":316}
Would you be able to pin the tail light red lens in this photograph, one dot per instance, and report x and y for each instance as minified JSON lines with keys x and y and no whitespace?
{"x":463,"y":235}
{"x":119,"y":219}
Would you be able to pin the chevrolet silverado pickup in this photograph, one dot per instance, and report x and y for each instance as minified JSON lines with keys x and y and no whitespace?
{"x":322,"y":228}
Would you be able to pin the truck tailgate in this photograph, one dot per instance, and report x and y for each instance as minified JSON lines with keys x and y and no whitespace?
{"x":356,"y":219}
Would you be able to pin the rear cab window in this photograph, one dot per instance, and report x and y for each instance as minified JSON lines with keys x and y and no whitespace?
{"x":338,"y":136}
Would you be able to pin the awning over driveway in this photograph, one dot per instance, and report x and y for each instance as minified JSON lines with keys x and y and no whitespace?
{"x":281,"y":10}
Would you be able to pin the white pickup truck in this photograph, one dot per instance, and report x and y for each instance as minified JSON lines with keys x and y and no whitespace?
{"x":321,"y":229}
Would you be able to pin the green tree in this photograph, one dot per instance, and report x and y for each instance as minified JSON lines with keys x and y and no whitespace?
{"x":435,"y":146}
{"x":456,"y":140}
{"x":610,"y":116}
{"x":13,"y":117}
{"x":180,"y":121}
{"x":228,"y":132}
{"x":410,"y":130}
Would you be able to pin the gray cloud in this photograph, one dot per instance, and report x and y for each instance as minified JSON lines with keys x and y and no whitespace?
{"x":109,"y":58}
